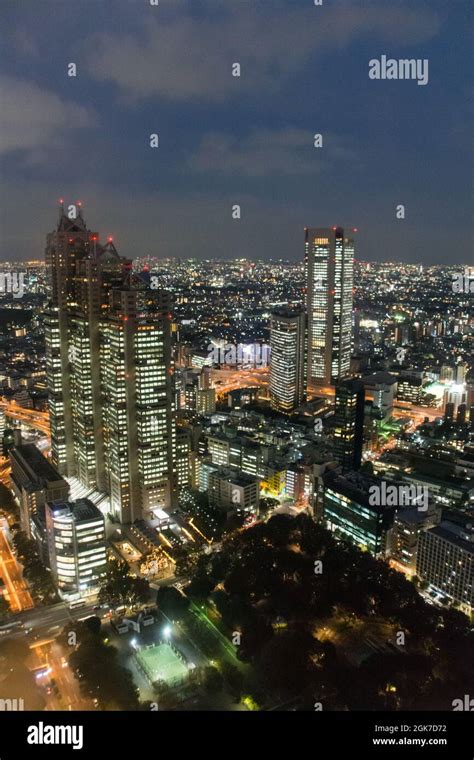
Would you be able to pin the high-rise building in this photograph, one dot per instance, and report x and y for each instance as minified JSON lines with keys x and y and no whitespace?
{"x":288,"y":359}
{"x":77,"y":547}
{"x":109,"y":373}
{"x":446,"y":373}
{"x":329,"y":262}
{"x":349,"y":423}
{"x":461,"y":372}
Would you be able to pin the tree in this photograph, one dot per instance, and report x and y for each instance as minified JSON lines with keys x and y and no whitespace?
{"x":200,"y":587}
{"x":255,"y":635}
{"x":7,"y":501}
{"x":4,"y":608}
{"x":166,"y":697}
{"x":93,"y":624}
{"x":233,"y":678}
{"x":171,"y":602}
{"x":38,"y":576}
{"x":101,"y":676}
{"x":121,"y":588}
{"x":186,"y":561}
{"x":287,"y":662}
{"x":207,"y":678}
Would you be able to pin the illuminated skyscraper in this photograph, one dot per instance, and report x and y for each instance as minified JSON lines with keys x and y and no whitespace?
{"x":329,"y":261}
{"x":110,"y":374}
{"x":70,"y":241}
{"x":349,"y":423}
{"x":287,"y":363}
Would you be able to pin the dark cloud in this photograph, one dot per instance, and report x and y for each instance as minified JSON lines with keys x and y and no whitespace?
{"x":226,"y":140}
{"x":184,"y":57}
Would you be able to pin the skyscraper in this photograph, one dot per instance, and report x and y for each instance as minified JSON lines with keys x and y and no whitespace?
{"x":329,"y":262}
{"x":287,"y":363}
{"x":349,"y":423}
{"x":109,"y":373}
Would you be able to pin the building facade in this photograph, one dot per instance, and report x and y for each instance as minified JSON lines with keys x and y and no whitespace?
{"x":34,"y":482}
{"x":234,"y":491}
{"x":288,"y":360}
{"x":347,"y":510}
{"x":445,"y":560}
{"x":349,"y":424}
{"x":109,"y":373}
{"x":77,"y":548}
{"x":329,"y":263}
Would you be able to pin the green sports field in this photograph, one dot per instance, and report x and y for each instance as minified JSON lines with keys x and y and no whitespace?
{"x":161,"y":663}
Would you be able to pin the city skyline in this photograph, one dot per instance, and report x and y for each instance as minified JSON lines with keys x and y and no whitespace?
{"x":236,"y":370}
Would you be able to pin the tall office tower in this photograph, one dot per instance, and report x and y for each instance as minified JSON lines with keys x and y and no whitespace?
{"x":446,"y":373}
{"x":329,"y":263}
{"x":349,"y":423}
{"x":77,"y":548}
{"x":64,"y":247}
{"x":138,"y":409}
{"x":109,"y":371}
{"x":461,"y":372}
{"x":288,"y":359}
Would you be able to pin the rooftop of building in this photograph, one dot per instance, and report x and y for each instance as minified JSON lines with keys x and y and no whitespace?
{"x":455,"y":534}
{"x":379,"y":378}
{"x":234,"y":476}
{"x":355,"y":485}
{"x":80,"y":510}
{"x":29,"y":454}
{"x":286,"y":312}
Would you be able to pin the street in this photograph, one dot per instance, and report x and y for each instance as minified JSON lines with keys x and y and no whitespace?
{"x":16,"y":588}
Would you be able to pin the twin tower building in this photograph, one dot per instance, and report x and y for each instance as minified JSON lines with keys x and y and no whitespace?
{"x":109,"y":373}
{"x":312,"y":347}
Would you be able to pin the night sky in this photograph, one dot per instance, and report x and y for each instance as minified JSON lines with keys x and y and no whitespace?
{"x":225,"y":140}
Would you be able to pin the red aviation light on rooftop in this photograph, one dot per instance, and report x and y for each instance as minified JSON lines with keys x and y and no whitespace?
{"x":355,"y":229}
{"x":79,"y":203}
{"x":61,"y":201}
{"x":110,"y":239}
{"x":334,"y":228}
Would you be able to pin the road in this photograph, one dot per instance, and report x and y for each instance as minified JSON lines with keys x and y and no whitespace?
{"x":43,"y":623}
{"x":67,"y":695}
{"x":230,"y":380}
{"x":32,"y":417}
{"x":16,"y":588}
{"x":5,"y":471}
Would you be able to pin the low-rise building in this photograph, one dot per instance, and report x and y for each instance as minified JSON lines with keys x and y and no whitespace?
{"x":34,"y":482}
{"x":77,"y":546}
{"x":234,"y":491}
{"x":347,"y":510}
